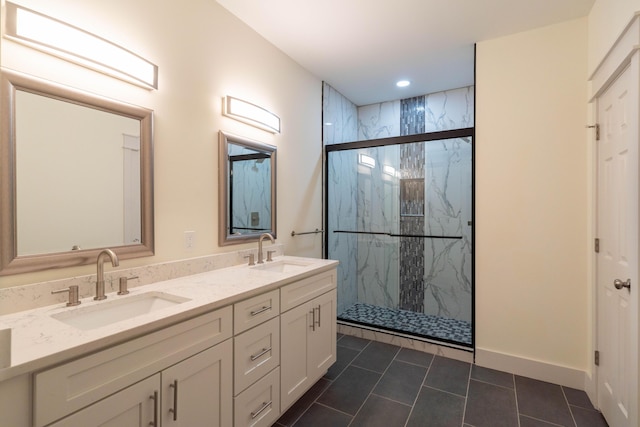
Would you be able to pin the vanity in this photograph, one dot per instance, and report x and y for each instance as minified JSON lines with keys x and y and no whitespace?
{"x":234,"y":346}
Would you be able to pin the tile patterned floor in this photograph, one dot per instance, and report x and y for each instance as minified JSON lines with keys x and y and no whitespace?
{"x":425,"y":325}
{"x":375,"y":384}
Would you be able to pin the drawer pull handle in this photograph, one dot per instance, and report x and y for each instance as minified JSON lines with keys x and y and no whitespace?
{"x":319,"y":308}
{"x":154,"y":397}
{"x":313,"y":319}
{"x":265,"y":405}
{"x":262,"y":310}
{"x":174,"y":410}
{"x":259,"y":355}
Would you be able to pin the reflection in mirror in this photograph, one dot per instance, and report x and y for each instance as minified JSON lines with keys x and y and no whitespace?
{"x":76,"y":176}
{"x":52,"y":175}
{"x":247,"y":183}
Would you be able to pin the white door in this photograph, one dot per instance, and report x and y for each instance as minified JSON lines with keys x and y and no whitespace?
{"x":131,"y":191}
{"x":617,"y":261}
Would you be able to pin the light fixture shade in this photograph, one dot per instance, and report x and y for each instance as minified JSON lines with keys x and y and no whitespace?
{"x":73,"y":44}
{"x":389,"y":170}
{"x":251,"y":114}
{"x":367,"y":161}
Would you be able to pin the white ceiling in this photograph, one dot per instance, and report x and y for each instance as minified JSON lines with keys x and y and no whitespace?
{"x":362,"y":47}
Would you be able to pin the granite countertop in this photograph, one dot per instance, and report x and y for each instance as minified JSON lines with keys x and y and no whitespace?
{"x":39,"y":340}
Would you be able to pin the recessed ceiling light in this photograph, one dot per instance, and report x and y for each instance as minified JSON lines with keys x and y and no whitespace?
{"x":403,"y":83}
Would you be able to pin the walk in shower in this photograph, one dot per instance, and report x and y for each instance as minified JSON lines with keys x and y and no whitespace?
{"x":399,"y":218}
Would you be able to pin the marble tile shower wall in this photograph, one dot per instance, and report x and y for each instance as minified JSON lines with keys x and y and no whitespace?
{"x":370,"y":266}
{"x":377,"y":195}
{"x":339,"y":116}
{"x":340,"y":124}
{"x":447,"y":262}
{"x":451,"y":109}
{"x":341,"y":177}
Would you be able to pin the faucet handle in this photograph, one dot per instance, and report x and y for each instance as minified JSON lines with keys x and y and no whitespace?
{"x":122,"y":287}
{"x":270,"y":255}
{"x":252,"y":259}
{"x":73,"y":294}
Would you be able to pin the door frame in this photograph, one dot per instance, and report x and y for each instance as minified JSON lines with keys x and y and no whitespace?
{"x":624,"y":53}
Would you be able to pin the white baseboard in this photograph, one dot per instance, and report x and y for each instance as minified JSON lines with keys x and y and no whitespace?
{"x":562,"y":375}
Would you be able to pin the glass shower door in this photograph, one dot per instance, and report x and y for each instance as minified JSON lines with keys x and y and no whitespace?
{"x":399,"y":221}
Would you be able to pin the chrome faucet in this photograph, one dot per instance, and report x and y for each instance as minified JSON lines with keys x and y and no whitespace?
{"x":262,"y":237}
{"x":100,"y":277}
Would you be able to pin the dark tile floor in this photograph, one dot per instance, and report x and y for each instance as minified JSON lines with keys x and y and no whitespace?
{"x":375,"y":384}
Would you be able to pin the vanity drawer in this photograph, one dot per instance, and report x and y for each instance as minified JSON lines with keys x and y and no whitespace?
{"x":306,"y":289}
{"x":79,"y":383}
{"x":253,"y":311}
{"x":256,"y":352}
{"x":259,"y":405}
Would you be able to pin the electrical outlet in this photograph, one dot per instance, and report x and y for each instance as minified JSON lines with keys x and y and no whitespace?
{"x":189,"y":240}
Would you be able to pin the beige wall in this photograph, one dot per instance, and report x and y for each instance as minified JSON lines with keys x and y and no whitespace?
{"x":607,"y":20}
{"x":203,"y":54}
{"x":532,"y":195}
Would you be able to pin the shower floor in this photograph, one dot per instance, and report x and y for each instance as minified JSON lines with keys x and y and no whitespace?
{"x":409,"y":322}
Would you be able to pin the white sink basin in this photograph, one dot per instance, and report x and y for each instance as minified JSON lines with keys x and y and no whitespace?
{"x":282,"y":266}
{"x":116,"y":310}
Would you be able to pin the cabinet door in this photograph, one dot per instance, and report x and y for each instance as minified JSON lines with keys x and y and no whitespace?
{"x":295,"y":326}
{"x":135,"y":406}
{"x":321,"y":346}
{"x":308,"y":337}
{"x":198,"y":390}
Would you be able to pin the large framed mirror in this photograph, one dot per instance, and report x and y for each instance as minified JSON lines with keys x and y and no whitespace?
{"x":76,"y":176}
{"x":247,"y":189}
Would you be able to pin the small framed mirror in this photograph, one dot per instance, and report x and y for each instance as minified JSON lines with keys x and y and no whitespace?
{"x":247,"y":189}
{"x":75,"y":176}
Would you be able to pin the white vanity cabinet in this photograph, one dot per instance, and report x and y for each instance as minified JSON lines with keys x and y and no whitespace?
{"x":240,"y":365}
{"x":308,"y":334}
{"x":187,"y":352}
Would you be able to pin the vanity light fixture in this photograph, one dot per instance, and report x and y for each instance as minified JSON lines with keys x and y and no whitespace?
{"x":367,"y":161}
{"x":251,"y":114}
{"x":73,"y":44}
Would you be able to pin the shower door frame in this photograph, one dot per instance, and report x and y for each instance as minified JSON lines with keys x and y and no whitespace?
{"x":399,"y":140}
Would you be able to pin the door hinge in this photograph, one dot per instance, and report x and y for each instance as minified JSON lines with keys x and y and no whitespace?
{"x":597,"y":128}
{"x":596,"y":245}
{"x":596,"y":358}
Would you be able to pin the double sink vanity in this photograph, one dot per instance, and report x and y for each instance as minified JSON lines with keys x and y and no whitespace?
{"x":233,"y":346}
